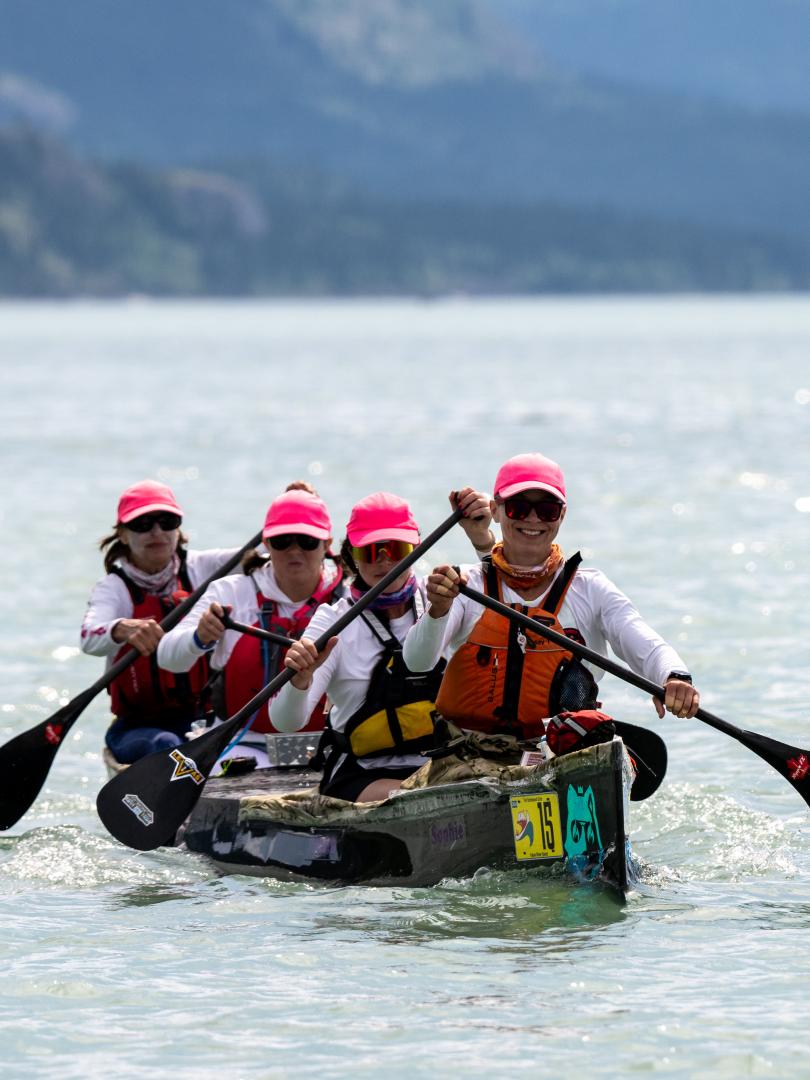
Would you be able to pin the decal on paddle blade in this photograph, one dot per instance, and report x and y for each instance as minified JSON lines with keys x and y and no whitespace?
{"x":799,"y":767}
{"x":139,"y":809}
{"x":185,"y":766}
{"x":53,"y":733}
{"x":536,"y":822}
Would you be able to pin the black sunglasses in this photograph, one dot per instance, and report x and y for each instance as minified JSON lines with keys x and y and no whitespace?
{"x":281,"y":543}
{"x":518,"y":509}
{"x":167,"y":522}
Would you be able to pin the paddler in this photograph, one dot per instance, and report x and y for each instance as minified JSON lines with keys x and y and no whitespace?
{"x":279,"y":590}
{"x":502,"y":680}
{"x":148,"y":572}
{"x":381,"y":716}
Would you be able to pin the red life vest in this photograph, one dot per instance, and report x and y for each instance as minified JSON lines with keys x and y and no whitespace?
{"x":504,"y":679}
{"x":253,"y":663}
{"x":145,"y":694}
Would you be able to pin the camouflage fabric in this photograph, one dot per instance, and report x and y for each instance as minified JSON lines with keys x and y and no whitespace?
{"x":419,"y":795}
{"x":454,"y":769}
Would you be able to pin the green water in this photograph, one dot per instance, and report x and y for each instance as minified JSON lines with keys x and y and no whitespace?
{"x":684,"y":429}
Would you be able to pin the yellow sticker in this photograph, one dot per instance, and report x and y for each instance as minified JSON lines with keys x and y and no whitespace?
{"x":536,"y":820}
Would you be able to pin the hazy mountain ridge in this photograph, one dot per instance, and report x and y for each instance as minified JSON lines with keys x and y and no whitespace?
{"x":413,"y":101}
{"x":69,"y":227}
{"x":752,"y":53}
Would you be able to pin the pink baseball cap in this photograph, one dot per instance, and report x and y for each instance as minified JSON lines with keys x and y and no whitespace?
{"x":297,"y":511}
{"x":381,"y":516}
{"x":527,"y":472}
{"x":144,"y":498}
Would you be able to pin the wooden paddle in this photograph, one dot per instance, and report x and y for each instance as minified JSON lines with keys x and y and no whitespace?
{"x":790,"y":761}
{"x":146,"y":804}
{"x":27,"y":758}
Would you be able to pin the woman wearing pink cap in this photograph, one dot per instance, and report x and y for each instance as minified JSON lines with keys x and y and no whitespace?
{"x":149,"y":571}
{"x":280,"y":594}
{"x":381,"y":714}
{"x":498,"y":679}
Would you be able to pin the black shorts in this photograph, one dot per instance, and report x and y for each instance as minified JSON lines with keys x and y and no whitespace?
{"x":350,"y":779}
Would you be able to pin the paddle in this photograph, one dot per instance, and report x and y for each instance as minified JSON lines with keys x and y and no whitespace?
{"x":648,"y":749}
{"x":254,"y":631}
{"x":27,"y":758}
{"x":146,"y":804}
{"x":649,"y":753}
{"x":790,"y":761}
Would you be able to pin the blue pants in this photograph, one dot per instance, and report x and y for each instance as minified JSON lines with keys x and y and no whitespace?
{"x":128,"y":743}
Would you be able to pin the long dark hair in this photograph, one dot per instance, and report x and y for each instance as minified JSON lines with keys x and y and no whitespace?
{"x":114,"y":548}
{"x":347,"y":558}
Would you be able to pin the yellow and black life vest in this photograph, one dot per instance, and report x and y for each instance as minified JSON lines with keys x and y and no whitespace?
{"x":397,"y":715}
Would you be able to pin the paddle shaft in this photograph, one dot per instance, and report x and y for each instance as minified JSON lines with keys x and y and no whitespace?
{"x":174,"y":616}
{"x":255,"y":631}
{"x":357,"y":608}
{"x":25,"y":760}
{"x":145,"y":804}
{"x":584,"y":653}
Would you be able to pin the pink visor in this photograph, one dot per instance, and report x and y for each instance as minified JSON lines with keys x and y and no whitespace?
{"x":528,"y":472}
{"x":297,"y":511}
{"x":144,"y":498}
{"x":381,"y":516}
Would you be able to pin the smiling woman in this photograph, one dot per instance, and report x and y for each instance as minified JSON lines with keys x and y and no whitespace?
{"x":498,"y":678}
{"x":149,"y":571}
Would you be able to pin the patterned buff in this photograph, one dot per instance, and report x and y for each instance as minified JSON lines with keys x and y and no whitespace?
{"x":384,"y":600}
{"x":528,"y":578}
{"x":162,"y":583}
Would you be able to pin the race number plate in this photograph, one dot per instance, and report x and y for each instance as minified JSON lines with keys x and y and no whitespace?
{"x":536,"y":821}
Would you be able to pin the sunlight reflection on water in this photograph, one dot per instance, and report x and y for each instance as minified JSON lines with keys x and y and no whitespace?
{"x":684,"y":429}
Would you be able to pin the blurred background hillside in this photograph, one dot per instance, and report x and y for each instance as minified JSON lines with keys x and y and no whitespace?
{"x":314,"y":147}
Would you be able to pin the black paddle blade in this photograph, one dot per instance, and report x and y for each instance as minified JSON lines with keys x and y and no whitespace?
{"x":649,"y":753}
{"x":146,"y":803}
{"x":26,"y":760}
{"x":791,"y":761}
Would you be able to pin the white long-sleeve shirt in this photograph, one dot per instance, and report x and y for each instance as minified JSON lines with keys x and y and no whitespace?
{"x":178,"y":650}
{"x":593,"y":605}
{"x":344,"y":676}
{"x":110,"y":601}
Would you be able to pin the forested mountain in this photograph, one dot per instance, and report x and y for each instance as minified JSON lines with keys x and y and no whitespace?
{"x":70,"y":227}
{"x":411,"y":99}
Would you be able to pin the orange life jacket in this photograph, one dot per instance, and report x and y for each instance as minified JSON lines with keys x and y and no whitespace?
{"x":505,"y":679}
{"x":146,"y":695}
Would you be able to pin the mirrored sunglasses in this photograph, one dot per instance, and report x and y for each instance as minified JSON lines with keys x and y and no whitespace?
{"x":395,"y":550}
{"x":518,"y":508}
{"x":281,"y":543}
{"x":165,"y":521}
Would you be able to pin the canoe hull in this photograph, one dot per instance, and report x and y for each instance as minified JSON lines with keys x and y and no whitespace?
{"x":567,"y":817}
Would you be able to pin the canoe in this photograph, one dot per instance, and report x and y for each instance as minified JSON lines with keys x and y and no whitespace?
{"x":564,"y":816}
